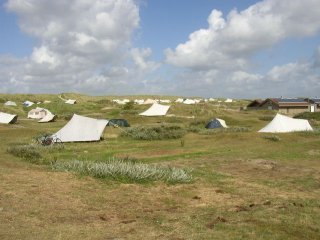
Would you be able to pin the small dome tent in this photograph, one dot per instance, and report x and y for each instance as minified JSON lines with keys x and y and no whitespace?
{"x":216,"y":123}
{"x":118,"y":122}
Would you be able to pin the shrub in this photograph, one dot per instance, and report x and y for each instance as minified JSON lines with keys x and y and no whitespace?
{"x":273,"y":138}
{"x":154,"y":133}
{"x":224,"y":130}
{"x":309,"y":115}
{"x":27,"y":152}
{"x":124,"y":171}
{"x":128,"y":106}
{"x":266,"y":118}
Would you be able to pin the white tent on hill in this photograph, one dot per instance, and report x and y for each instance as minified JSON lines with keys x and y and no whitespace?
{"x":283,"y":124}
{"x":71,"y":101}
{"x":28,"y":103}
{"x":150,"y":101}
{"x":48,"y":118}
{"x":82,"y":129}
{"x":189,"y":101}
{"x":179,"y":100}
{"x":38,"y":113}
{"x":228,"y":100}
{"x":156,"y":110}
{"x":10,"y":103}
{"x":7,"y":118}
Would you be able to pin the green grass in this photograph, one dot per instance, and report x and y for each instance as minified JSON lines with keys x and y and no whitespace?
{"x":263,"y":188}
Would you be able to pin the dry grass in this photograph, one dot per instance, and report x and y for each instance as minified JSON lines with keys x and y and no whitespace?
{"x":244,"y":187}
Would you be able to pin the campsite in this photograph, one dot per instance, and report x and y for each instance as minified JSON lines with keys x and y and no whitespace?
{"x":230,"y":182}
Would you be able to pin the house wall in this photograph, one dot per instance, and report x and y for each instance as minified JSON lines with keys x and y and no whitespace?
{"x":293,"y":110}
{"x":269,"y":105}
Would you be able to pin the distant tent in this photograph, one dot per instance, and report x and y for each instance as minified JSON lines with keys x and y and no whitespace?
{"x":228,"y":100}
{"x":7,"y":118}
{"x":82,"y":129}
{"x":189,"y":101}
{"x":46,"y":101}
{"x":71,"y":101}
{"x":38,"y":113}
{"x":282,"y":124}
{"x":10,"y":103}
{"x":150,"y":101}
{"x":179,"y":100}
{"x":156,"y":110}
{"x":139,"y":101}
{"x":121,"y":102}
{"x":118,"y":122}
{"x":216,"y":123}
{"x":28,"y":103}
{"x":48,"y":118}
{"x":165,"y":101}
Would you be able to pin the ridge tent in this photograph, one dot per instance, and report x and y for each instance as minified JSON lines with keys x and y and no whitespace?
{"x":38,"y":113}
{"x":156,"y":110}
{"x":10,"y":103}
{"x":150,"y":101}
{"x":189,"y":101}
{"x":118,"y":122}
{"x":82,"y":129}
{"x":8,"y":118}
{"x":216,"y":123}
{"x":179,"y":100}
{"x":48,"y":118}
{"x":71,"y":101}
{"x":282,"y":124}
{"x":228,"y":100}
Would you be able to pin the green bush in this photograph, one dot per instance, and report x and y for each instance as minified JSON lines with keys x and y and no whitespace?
{"x":309,"y":115}
{"x":273,"y":138}
{"x":29,"y":153}
{"x":124,"y":171}
{"x":128,"y":106}
{"x":154,"y":133}
{"x":224,"y":130}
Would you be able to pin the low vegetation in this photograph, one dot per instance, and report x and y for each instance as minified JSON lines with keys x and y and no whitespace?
{"x":273,"y":138}
{"x":124,"y":171}
{"x":154,"y":133}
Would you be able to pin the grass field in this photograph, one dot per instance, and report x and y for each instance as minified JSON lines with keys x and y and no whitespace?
{"x":245,"y":185}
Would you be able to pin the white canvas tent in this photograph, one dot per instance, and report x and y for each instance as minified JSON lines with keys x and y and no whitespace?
{"x":7,"y":118}
{"x":283,"y":124}
{"x":48,"y":118}
{"x":10,"y":103}
{"x":82,"y":129}
{"x":156,"y":110}
{"x":179,"y":100}
{"x":38,"y":113}
{"x":71,"y":101}
{"x":150,"y":101}
{"x":189,"y":101}
{"x":228,"y":100}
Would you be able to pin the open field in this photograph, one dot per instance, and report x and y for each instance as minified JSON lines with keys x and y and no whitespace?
{"x":245,"y":185}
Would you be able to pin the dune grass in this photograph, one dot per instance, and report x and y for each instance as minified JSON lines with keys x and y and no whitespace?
{"x":243,"y":186}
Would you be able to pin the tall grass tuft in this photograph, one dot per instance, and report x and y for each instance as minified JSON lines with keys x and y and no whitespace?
{"x":154,"y":133}
{"x":273,"y":138}
{"x":29,"y":153}
{"x":224,"y":130}
{"x":125,"y":171}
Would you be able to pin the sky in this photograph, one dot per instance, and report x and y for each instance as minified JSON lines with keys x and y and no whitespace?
{"x":206,"y":48}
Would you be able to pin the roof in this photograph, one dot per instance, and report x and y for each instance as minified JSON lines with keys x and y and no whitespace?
{"x":256,"y":102}
{"x":288,"y":102}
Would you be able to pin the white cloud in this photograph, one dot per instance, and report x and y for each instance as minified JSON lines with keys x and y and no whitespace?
{"x":79,"y":39}
{"x":228,"y":43}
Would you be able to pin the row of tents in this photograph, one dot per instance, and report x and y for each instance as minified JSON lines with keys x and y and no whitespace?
{"x":179,"y":100}
{"x":81,"y":128}
{"x":29,"y":103}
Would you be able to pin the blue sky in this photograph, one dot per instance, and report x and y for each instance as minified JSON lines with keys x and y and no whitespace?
{"x":225,"y":48}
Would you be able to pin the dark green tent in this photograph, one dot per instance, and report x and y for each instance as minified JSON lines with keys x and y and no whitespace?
{"x":216,"y":123}
{"x":118,"y":122}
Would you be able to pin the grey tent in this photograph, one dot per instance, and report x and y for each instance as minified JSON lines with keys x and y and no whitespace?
{"x":118,"y":122}
{"x":216,"y":123}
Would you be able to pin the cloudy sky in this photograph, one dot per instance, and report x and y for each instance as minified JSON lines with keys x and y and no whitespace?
{"x":209,"y":48}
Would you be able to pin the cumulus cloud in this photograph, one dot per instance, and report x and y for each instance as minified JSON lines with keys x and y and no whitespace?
{"x":228,"y":42}
{"x":78,"y":42}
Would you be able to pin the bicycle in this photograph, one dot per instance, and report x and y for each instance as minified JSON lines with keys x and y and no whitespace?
{"x":48,"y":139}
